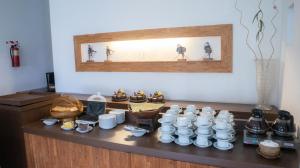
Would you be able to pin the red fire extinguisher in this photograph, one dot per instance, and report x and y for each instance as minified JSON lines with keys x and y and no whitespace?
{"x":14,"y":53}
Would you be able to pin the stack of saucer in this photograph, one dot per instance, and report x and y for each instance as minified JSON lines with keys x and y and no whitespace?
{"x":225,"y":133}
{"x":184,"y":131}
{"x":167,"y":129}
{"x":204,"y":131}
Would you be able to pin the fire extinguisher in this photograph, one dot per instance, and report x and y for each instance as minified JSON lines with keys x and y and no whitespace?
{"x":14,"y":53}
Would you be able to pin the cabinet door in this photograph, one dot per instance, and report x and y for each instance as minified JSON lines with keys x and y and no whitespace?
{"x":138,"y":161}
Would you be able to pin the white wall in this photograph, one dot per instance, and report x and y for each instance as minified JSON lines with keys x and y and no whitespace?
{"x":291,"y":74}
{"x":74,"y":17}
{"x":28,"y":22}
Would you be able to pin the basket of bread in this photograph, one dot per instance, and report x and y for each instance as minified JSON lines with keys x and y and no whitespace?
{"x":66,"y":107}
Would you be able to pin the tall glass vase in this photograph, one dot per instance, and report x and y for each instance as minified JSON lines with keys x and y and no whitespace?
{"x":265,"y":72}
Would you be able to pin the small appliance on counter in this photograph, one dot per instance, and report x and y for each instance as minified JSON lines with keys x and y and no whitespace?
{"x":284,"y":125}
{"x":50,"y":82}
{"x":282,"y":130}
{"x":257,"y":123}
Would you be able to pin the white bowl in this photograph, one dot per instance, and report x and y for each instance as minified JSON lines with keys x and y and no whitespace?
{"x":138,"y":133}
{"x":107,"y":121}
{"x":50,"y":122}
{"x":120,"y":114}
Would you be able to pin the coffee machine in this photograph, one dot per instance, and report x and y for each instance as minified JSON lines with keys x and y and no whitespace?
{"x":50,"y":81}
{"x":282,"y":130}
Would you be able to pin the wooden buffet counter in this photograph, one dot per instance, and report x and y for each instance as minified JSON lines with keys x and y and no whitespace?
{"x":54,"y":148}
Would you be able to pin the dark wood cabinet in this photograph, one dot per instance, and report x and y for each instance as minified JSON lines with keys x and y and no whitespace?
{"x":44,"y":152}
{"x":15,"y":111}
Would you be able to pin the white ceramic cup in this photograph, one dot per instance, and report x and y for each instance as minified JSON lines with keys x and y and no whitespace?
{"x":221,"y":124}
{"x":190,"y":116}
{"x":207,"y":109}
{"x":210,"y":116}
{"x":224,"y":135}
{"x":168,"y":117}
{"x":223,"y":143}
{"x":189,"y":111}
{"x":203,"y":131}
{"x":184,"y":139}
{"x":202,"y":120}
{"x":182,"y":121}
{"x":120,"y":114}
{"x":202,"y":140}
{"x":172,"y":111}
{"x":191,"y":107}
{"x":166,"y":137}
{"x":107,"y":121}
{"x":183,"y":130}
{"x":167,"y":128}
{"x":175,"y":107}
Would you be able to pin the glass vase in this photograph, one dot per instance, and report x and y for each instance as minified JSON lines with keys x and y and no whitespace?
{"x":264,"y":83}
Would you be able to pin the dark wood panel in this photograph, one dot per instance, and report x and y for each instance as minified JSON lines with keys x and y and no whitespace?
{"x":43,"y":152}
{"x":120,"y":140}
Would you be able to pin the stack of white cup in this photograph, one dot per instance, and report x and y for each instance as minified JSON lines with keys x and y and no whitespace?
{"x":184,"y":131}
{"x":204,"y":127}
{"x":191,"y":112}
{"x":225,"y":133}
{"x":204,"y":131}
{"x":184,"y":125}
{"x":167,"y":129}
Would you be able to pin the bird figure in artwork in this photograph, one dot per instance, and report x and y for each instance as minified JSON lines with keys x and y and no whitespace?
{"x":91,"y":53}
{"x":181,"y":50}
{"x":208,"y":50}
{"x":109,"y":52}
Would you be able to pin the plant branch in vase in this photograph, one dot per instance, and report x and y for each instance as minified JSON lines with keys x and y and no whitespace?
{"x":264,"y":64}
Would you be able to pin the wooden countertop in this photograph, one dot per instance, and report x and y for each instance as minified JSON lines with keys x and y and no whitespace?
{"x":242,"y":156}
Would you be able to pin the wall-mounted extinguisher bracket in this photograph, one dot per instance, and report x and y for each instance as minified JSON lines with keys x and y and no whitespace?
{"x":14,"y":53}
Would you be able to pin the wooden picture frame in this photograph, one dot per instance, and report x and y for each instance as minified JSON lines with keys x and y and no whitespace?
{"x":223,"y":66}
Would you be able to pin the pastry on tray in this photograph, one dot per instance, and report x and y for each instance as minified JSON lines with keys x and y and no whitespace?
{"x":157,"y":97}
{"x":138,"y":97}
{"x":144,"y":110}
{"x":119,"y":95}
{"x":66,"y":107}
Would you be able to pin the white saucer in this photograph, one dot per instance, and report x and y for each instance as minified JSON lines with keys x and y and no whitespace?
{"x":166,"y":141}
{"x":208,"y":135}
{"x":90,"y":128}
{"x":228,"y":129}
{"x":176,"y":141}
{"x":190,"y":133}
{"x":190,"y":125}
{"x":228,"y":139}
{"x":221,"y":148}
{"x":168,"y":132}
{"x":203,"y":126}
{"x":201,"y":146}
{"x":162,"y":121}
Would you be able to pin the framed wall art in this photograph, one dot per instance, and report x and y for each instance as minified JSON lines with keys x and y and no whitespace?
{"x":181,"y":49}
